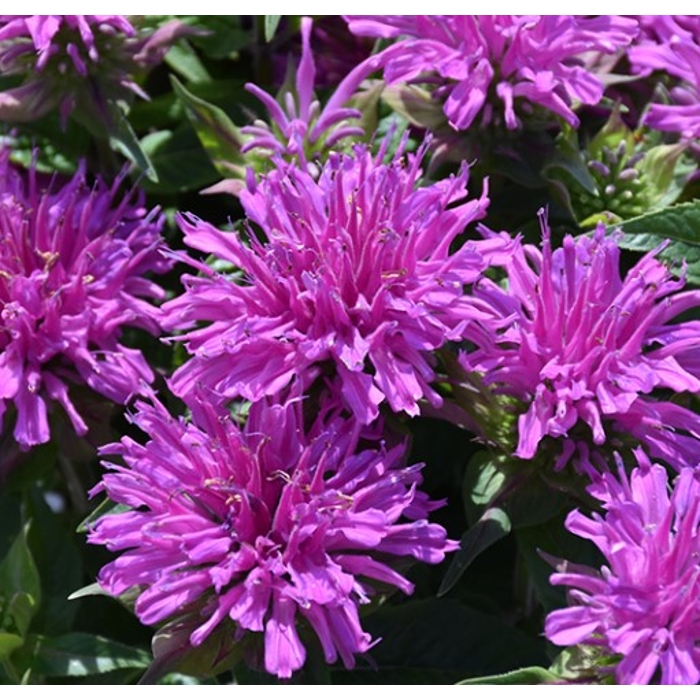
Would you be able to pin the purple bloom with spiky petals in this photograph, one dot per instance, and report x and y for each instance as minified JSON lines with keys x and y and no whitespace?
{"x":300,"y":129}
{"x":74,"y":61}
{"x":577,"y":344}
{"x":521,"y":61}
{"x":354,"y":279}
{"x":671,"y":44}
{"x":267,"y":526}
{"x":72,"y":266}
{"x":644,"y":604}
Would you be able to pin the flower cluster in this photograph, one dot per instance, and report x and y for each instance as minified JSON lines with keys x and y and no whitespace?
{"x":303,"y":131}
{"x":479,"y":60}
{"x":269,"y":526}
{"x":72,"y":260}
{"x":643,"y":605}
{"x":354,"y":279}
{"x":71,"y":61}
{"x":577,"y":343}
{"x":672,"y":44}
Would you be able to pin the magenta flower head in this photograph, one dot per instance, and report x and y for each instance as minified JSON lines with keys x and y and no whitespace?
{"x":71,"y":61}
{"x":300,"y":130}
{"x":671,"y":44}
{"x":353,"y":279}
{"x":270,"y":527}
{"x":72,"y":265}
{"x":581,"y":347}
{"x":643,"y":606}
{"x":523,"y":62}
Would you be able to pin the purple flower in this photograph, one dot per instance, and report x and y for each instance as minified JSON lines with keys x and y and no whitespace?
{"x":579,"y":345}
{"x":523,"y":61}
{"x":644,"y":604}
{"x":72,"y":261}
{"x":671,"y":44}
{"x":74,"y":61}
{"x":300,"y":129}
{"x":353,"y":279}
{"x":266,"y":525}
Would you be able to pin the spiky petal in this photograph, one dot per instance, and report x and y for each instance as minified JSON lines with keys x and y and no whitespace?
{"x":265,"y":526}
{"x":354,"y":278}
{"x":72,"y":266}
{"x":643,"y":605}
{"x":520,"y":61}
{"x":580,"y":345}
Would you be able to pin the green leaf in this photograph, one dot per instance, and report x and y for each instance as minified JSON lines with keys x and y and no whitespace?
{"x":18,"y":572}
{"x":183,"y":59}
{"x":223,"y":36}
{"x":8,"y":643}
{"x":107,"y":507}
{"x":667,"y":172}
{"x":20,"y":611}
{"x":172,"y":650}
{"x":123,"y":139}
{"x":441,"y":641}
{"x":553,"y":539}
{"x":219,"y":136}
{"x":90,"y":589}
{"x":568,"y":158}
{"x":181,"y":163}
{"x":533,"y":675}
{"x":532,"y":502}
{"x":493,"y":525}
{"x":680,"y":224}
{"x":80,"y":654}
{"x":59,"y":563}
{"x":271,"y":24}
{"x":416,"y":105}
{"x":483,"y":480}
{"x":581,"y":662}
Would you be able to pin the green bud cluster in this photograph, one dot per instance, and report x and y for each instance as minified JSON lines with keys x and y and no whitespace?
{"x":621,"y":188}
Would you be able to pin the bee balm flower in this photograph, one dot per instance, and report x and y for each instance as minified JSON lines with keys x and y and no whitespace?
{"x":266,"y":526}
{"x":578,"y":344}
{"x":353,"y":278}
{"x":72,"y":265}
{"x":643,"y":605}
{"x":521,"y":61}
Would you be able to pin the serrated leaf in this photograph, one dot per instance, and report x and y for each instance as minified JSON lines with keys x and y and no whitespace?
{"x":80,"y":654}
{"x":493,"y":525}
{"x":220,"y":137}
{"x":534,"y":675}
{"x":680,"y":224}
{"x":271,"y":24}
